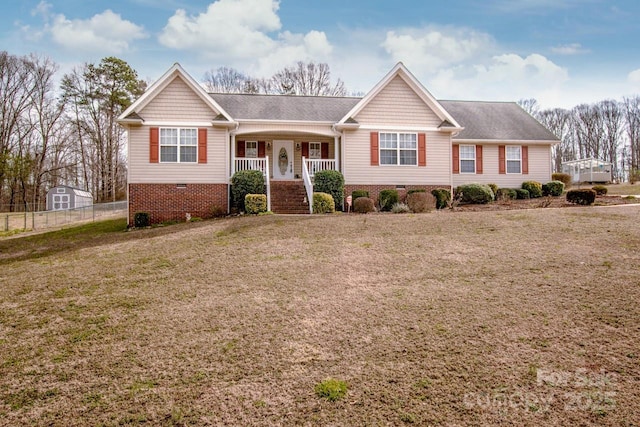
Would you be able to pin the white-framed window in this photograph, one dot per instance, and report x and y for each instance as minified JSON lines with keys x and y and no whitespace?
{"x":514,"y":159}
{"x":315,"y":150}
{"x":178,"y":145}
{"x":60,"y":190}
{"x":251,"y":149}
{"x":467,"y":159}
{"x":398,"y":148}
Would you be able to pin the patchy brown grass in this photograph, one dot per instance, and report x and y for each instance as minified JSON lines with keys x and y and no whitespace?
{"x":525,"y":317}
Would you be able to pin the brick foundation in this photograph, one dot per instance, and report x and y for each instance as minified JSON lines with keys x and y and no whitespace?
{"x":374,"y":190}
{"x":170,"y":202}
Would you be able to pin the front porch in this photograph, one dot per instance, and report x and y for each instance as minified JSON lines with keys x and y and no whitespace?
{"x":288,"y":162}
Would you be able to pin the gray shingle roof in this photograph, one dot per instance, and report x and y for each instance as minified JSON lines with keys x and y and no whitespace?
{"x":481,"y":120}
{"x":285,"y":107}
{"x":497,"y":121}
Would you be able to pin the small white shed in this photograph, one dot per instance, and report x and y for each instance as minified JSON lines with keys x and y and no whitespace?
{"x":588,"y":170}
{"x":64,"y":197}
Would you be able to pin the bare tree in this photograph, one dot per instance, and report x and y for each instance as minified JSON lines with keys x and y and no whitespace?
{"x":559,"y":122}
{"x":309,"y":78}
{"x":631,"y":108}
{"x":226,"y":80}
{"x":530,"y":105}
{"x":613,"y":122}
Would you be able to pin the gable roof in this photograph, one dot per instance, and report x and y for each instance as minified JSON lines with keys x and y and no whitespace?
{"x":159,"y":85}
{"x":496,"y":121}
{"x":402,"y":71}
{"x":285,"y":107}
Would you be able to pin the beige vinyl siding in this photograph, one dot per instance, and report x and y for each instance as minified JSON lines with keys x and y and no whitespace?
{"x":297,"y":157}
{"x":539,"y":167}
{"x":284,"y":128}
{"x":143,"y":172}
{"x":398,"y":104}
{"x":177,"y":102}
{"x":358,"y":169}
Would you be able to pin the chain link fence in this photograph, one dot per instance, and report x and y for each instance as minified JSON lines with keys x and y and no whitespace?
{"x":47,"y":219}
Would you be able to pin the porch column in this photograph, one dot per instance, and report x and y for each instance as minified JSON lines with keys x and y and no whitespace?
{"x":233,"y":153}
{"x":336,"y":151}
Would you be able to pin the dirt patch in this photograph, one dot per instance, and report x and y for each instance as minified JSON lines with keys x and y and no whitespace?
{"x":471,"y":318}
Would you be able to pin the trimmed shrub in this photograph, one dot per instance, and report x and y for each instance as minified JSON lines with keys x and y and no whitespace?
{"x":387,"y":198}
{"x":494,"y":189}
{"x":476,"y":194}
{"x":506,"y":194}
{"x":420,"y":202}
{"x":600,"y":190}
{"x":416,"y":190}
{"x":581,"y":196}
{"x":243,"y":183}
{"x":358,"y":193}
{"x":364,"y":205}
{"x":255,"y":203}
{"x":141,"y":219}
{"x":533,"y":187}
{"x":553,"y":188}
{"x":323,"y":203}
{"x":521,"y":193}
{"x":330,"y":182}
{"x":565,"y":178}
{"x":400,"y":208}
{"x":443,"y":197}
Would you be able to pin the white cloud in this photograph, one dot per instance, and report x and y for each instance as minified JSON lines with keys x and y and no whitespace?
{"x":243,"y":33}
{"x":634,"y":77}
{"x":507,"y":77}
{"x":431,"y":49}
{"x":104,"y":32}
{"x":569,"y":49}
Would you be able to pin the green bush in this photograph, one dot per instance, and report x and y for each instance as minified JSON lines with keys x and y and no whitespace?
{"x":506,"y":194}
{"x":255,"y":203}
{"x":521,"y":193}
{"x":400,"y":208}
{"x":420,"y":202}
{"x":565,"y":178}
{"x":582,"y":196}
{"x":364,"y":205}
{"x":331,"y":389}
{"x":243,"y":183}
{"x":533,"y":187}
{"x":600,"y":190}
{"x":358,"y":193}
{"x":323,"y":203}
{"x":416,"y":190}
{"x":141,"y":219}
{"x":553,"y":188}
{"x":494,"y":189}
{"x":330,"y":182}
{"x":387,"y":198}
{"x":443,"y":197}
{"x":475,"y":193}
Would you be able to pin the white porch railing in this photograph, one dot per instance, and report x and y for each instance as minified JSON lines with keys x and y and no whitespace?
{"x":307,"y":183}
{"x":317,"y":165}
{"x":256,"y":164}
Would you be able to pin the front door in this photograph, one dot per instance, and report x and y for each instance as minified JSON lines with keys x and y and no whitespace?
{"x":282,"y":159}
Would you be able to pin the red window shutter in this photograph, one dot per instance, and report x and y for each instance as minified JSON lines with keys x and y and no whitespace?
{"x":525,"y":159}
{"x":422,"y":149}
{"x":261,"y":148}
{"x":324,"y":150}
{"x":455,"y":160}
{"x":154,"y":145}
{"x":202,"y":145}
{"x":375,"y":160}
{"x":239,"y":148}
{"x":479,"y":159}
{"x":305,"y":150}
{"x":502,"y":161}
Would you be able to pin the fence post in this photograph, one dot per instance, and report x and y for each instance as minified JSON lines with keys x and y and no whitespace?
{"x":25,"y":220}
{"x":6,"y":223}
{"x":33,"y":220}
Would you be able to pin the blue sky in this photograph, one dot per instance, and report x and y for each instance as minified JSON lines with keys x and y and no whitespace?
{"x":561,"y":52}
